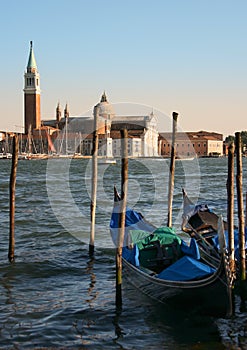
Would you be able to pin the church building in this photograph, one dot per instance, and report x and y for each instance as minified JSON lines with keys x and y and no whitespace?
{"x":70,"y":135}
{"x":73,"y":134}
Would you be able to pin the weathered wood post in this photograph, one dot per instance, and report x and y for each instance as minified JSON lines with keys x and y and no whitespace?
{"x":12,"y":185}
{"x":246,"y":209}
{"x":239,"y":182}
{"x":172,"y":169}
{"x":94,"y":179}
{"x":124,"y":191}
{"x":230,"y":205}
{"x":222,"y":243}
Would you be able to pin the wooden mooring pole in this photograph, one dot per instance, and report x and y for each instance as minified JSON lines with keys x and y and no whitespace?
{"x":230,"y":205}
{"x":172,"y":169}
{"x":124,"y":191}
{"x":94,"y":179}
{"x":12,"y":185}
{"x":239,"y":182}
{"x":223,"y":251}
{"x":246,"y":209}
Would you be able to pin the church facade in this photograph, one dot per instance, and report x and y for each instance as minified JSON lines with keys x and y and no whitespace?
{"x":78,"y":131}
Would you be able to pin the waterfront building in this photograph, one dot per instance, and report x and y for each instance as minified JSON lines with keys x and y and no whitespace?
{"x":2,"y":136}
{"x":191,"y":144}
{"x":143,"y":135}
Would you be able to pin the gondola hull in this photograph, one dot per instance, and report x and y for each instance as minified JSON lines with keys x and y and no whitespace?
{"x":208,"y":296}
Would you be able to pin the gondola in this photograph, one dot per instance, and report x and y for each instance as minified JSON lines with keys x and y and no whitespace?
{"x":200,"y":222}
{"x":161,"y":265}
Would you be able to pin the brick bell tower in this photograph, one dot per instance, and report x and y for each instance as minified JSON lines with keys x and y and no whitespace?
{"x":31,"y":94}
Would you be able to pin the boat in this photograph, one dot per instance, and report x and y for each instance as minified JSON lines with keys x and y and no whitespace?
{"x":201,"y":223}
{"x":106,"y":160}
{"x":163,"y":266}
{"x":5,"y":155}
{"x":185,"y":158}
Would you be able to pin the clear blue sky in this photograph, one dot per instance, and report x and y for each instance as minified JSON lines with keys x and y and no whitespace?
{"x":188,"y":56}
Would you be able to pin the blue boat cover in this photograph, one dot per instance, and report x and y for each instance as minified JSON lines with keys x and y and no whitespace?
{"x":133,"y":221}
{"x":191,"y":250}
{"x":186,"y":269}
{"x":131,"y":255}
{"x":236,"y":241}
{"x":132,"y":217}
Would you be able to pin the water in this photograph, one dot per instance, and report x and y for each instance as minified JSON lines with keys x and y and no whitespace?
{"x":55,"y":296}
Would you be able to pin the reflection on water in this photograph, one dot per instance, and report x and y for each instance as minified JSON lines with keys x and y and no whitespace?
{"x":56,"y":296}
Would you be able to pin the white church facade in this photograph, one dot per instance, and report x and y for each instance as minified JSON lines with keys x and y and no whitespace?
{"x":142,"y":132}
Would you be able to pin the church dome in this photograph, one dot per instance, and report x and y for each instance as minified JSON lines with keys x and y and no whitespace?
{"x":105,"y":108}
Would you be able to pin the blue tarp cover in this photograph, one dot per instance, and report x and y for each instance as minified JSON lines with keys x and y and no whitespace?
{"x":186,"y":269}
{"x":191,"y":250}
{"x":236,"y":241}
{"x":133,"y":221}
{"x":132,"y":217}
{"x":131,"y":255}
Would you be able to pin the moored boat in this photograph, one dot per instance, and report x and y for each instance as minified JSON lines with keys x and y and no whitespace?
{"x":106,"y":160}
{"x":160,"y":264}
{"x":200,"y":222}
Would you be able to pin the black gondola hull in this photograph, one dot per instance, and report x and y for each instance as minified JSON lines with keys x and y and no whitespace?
{"x":208,"y":296}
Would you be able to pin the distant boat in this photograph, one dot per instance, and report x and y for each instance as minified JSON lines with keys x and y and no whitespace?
{"x":78,"y":156}
{"x":106,"y":160}
{"x":22,"y":156}
{"x":36,"y":156}
{"x":5,"y":155}
{"x":185,"y":158}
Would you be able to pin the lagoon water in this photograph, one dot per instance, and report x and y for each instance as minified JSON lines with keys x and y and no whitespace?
{"x":55,"y":296}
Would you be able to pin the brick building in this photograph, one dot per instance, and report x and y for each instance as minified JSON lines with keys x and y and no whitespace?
{"x":192,"y":144}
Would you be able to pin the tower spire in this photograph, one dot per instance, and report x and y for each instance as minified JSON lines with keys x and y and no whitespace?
{"x":103,"y":98}
{"x":66,"y":111}
{"x":31,"y":65}
{"x":58,"y":112}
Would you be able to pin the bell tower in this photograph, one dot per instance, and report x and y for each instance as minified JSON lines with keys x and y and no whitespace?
{"x":31,"y":94}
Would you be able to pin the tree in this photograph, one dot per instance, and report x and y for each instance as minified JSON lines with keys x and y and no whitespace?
{"x":229,"y":139}
{"x":244,"y":138}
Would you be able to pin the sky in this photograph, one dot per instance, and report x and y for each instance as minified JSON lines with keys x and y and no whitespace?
{"x":188,"y":56}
